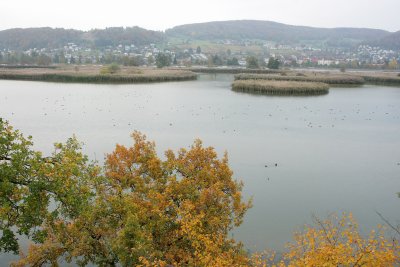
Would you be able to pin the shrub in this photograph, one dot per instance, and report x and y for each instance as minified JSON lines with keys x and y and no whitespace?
{"x":163,"y":60}
{"x":110,"y":69}
{"x":273,"y":63}
{"x":252,"y":63}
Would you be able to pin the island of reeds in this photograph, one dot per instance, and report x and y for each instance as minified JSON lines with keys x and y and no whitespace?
{"x":235,"y":70}
{"x":381,"y":78}
{"x":97,"y":74}
{"x":274,"y":87}
{"x":332,"y":79}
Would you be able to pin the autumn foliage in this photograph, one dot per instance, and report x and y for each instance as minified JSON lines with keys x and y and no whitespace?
{"x":337,"y":241}
{"x":141,"y":210}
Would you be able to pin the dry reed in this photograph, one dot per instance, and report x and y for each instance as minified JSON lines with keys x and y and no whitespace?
{"x":322,"y":78}
{"x":273,"y":87}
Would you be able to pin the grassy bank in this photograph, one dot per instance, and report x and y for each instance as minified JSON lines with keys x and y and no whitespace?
{"x":274,"y":87}
{"x":336,"y":79}
{"x":92,"y":75}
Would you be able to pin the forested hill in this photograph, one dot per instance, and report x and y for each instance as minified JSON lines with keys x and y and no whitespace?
{"x":120,"y":35}
{"x":22,"y":39}
{"x":273,"y":31}
{"x":391,"y":41}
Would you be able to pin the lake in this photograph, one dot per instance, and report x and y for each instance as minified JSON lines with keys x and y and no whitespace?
{"x":337,"y":152}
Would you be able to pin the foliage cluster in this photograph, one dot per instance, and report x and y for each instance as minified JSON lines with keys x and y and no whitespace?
{"x":110,"y":69}
{"x":163,"y":60}
{"x":138,"y":209}
{"x":252,"y":62}
{"x":273,"y":63}
{"x":338,"y":242}
{"x":335,"y":241}
{"x":393,"y":64}
{"x":232,"y":62}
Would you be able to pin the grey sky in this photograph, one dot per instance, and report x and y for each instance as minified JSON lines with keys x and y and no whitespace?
{"x":160,"y":15}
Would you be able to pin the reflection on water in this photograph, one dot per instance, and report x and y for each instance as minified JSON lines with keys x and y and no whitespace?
{"x":297,"y":156}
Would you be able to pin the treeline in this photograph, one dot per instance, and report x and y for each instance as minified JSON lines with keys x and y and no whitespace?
{"x":19,"y":58}
{"x":43,"y":59}
{"x":160,"y":59}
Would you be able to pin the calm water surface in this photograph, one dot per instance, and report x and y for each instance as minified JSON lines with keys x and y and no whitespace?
{"x":337,"y":152}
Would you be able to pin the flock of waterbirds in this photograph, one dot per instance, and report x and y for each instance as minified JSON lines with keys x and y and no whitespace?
{"x":123,"y":108}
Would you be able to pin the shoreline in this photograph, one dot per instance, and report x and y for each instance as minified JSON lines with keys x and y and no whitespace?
{"x":131,"y":75}
{"x":92,"y":74}
{"x":96,"y":79}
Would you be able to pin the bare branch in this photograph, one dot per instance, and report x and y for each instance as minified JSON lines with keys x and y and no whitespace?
{"x":396,"y":229}
{"x":321,"y":224}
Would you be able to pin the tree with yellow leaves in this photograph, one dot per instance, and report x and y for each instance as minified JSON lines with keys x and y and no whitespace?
{"x":140,"y":210}
{"x":335,"y":241}
{"x":338,"y":242}
{"x":393,"y":64}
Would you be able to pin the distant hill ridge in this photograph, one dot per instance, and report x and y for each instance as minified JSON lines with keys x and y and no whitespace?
{"x":391,"y":41}
{"x":22,"y":39}
{"x":269,"y":30}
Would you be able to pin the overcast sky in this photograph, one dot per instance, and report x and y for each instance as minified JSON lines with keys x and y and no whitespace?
{"x":160,"y":15}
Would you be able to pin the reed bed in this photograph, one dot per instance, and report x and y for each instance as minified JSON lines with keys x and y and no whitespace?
{"x":321,"y":78}
{"x":382,"y":79}
{"x":91,"y":75}
{"x":235,"y":70}
{"x":274,"y":87}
